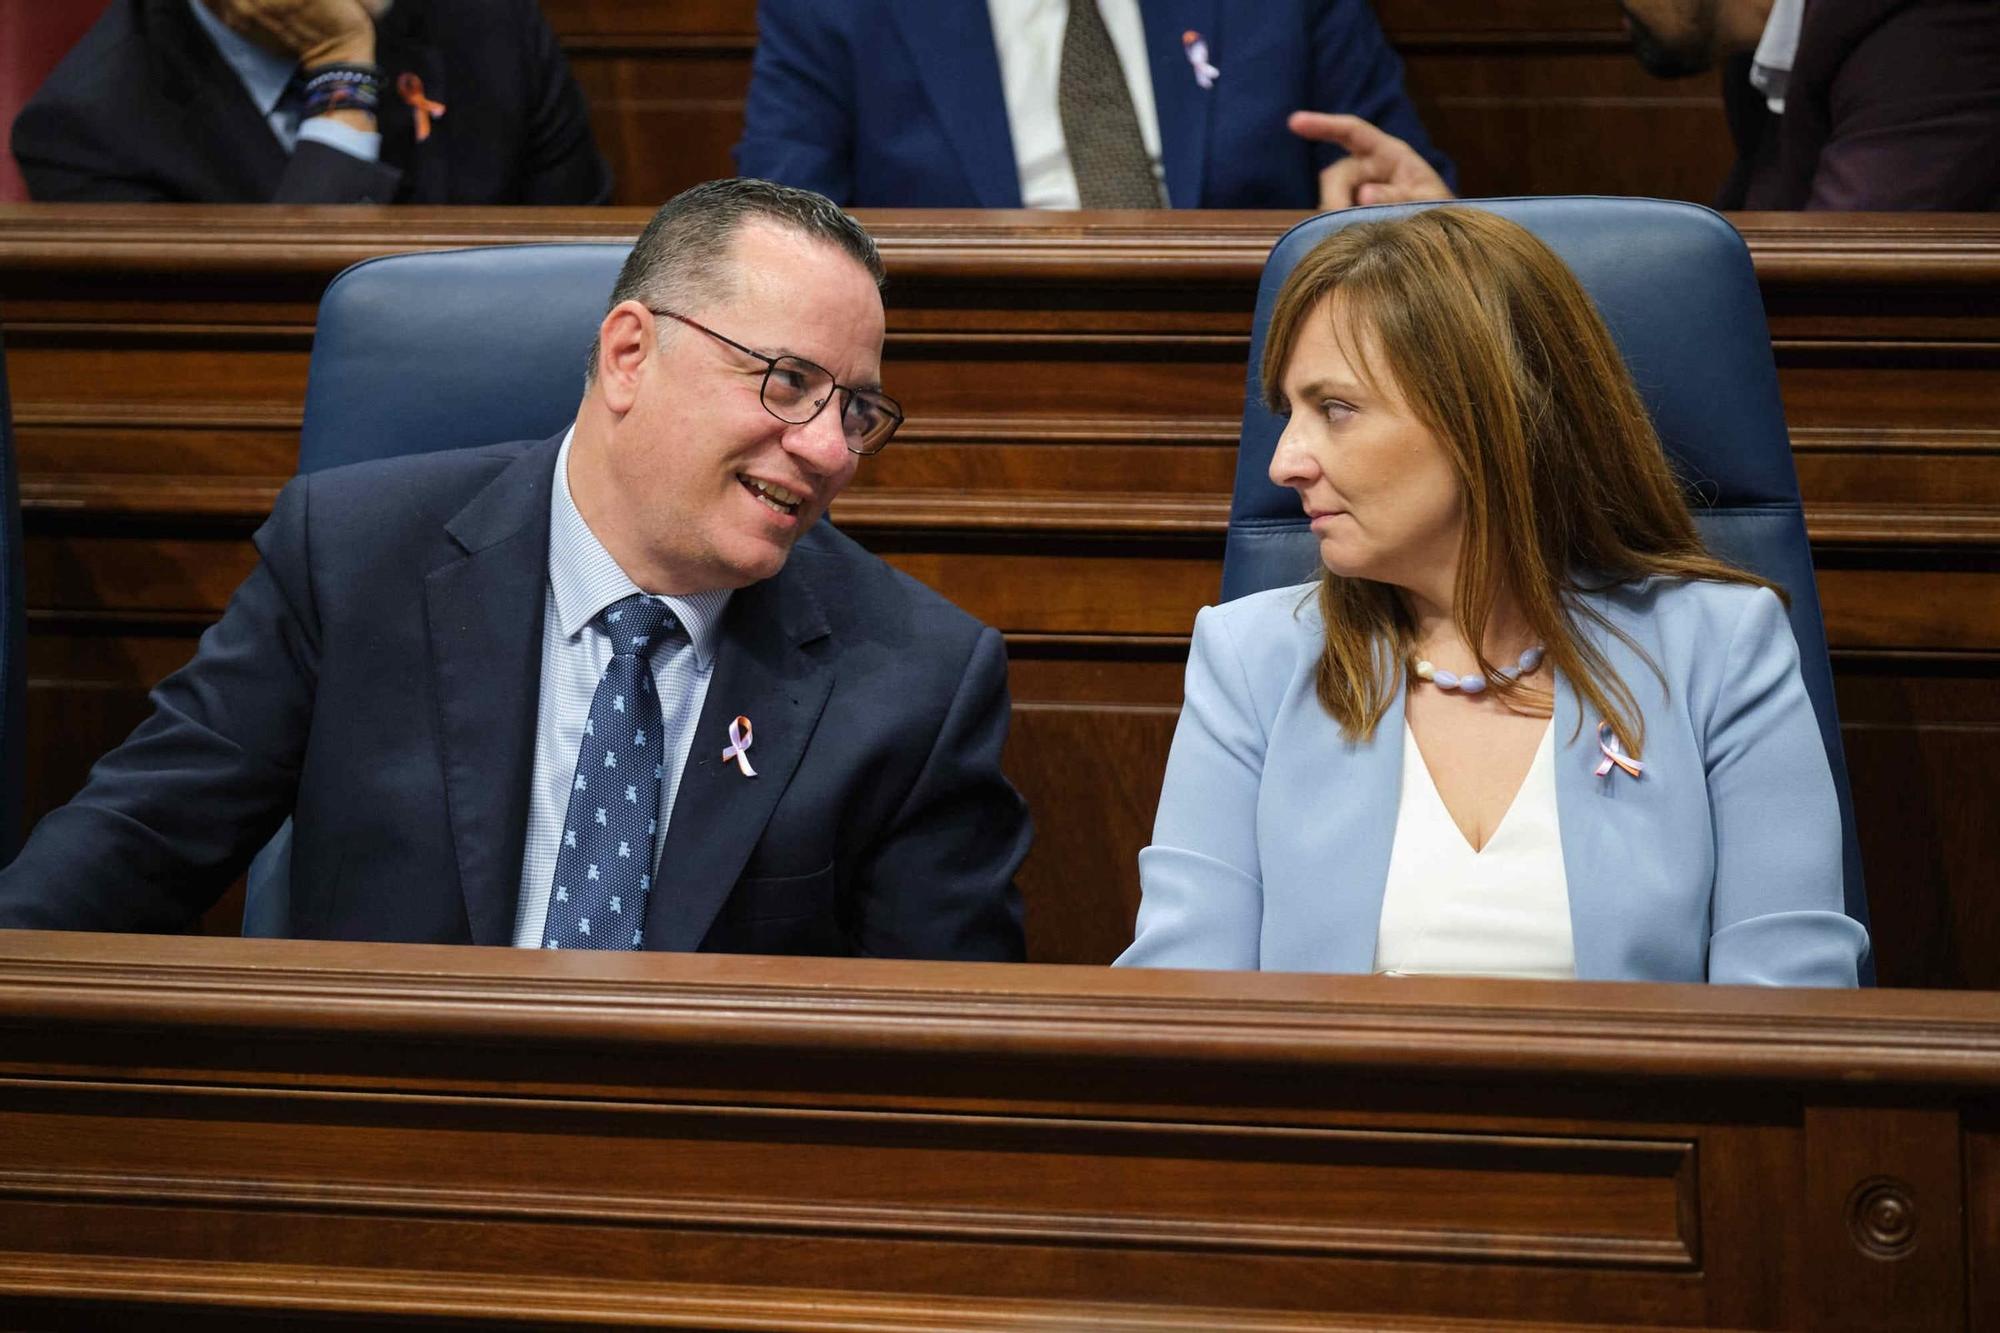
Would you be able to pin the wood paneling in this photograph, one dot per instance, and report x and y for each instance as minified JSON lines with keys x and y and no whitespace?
{"x":1528,"y":97}
{"x":1074,"y":389}
{"x":264,"y":1134}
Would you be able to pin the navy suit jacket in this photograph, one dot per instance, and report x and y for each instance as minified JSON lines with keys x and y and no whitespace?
{"x":1720,"y":862}
{"x":146,"y":110}
{"x":897,"y":103}
{"x":377,"y":677}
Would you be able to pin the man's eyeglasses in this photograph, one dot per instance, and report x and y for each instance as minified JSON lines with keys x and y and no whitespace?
{"x":795,"y":390}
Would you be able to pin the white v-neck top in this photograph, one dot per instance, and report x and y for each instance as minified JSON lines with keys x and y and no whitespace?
{"x":1502,"y":911}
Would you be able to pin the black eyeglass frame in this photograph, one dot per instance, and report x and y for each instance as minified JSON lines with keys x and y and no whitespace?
{"x":892,"y":408}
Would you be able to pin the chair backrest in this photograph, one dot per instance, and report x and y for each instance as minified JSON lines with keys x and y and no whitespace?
{"x":439,"y":350}
{"x":452,"y":348}
{"x":13,"y":637}
{"x":1675,"y":284}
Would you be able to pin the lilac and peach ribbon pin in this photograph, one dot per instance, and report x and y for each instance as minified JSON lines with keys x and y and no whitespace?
{"x":1607,"y":741}
{"x":739,"y":746}
{"x":1197,"y":54}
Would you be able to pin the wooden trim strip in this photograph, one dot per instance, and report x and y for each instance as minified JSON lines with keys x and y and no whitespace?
{"x":1216,"y":248}
{"x":1425,"y":1027}
{"x":514,"y":1300}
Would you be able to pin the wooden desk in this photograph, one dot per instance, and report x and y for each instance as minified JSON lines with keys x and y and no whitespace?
{"x":1074,"y":383}
{"x":248,"y":1134}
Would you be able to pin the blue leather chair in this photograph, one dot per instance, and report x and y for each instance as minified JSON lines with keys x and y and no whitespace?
{"x":1675,"y":284}
{"x":442,"y":350}
{"x":13,"y":637}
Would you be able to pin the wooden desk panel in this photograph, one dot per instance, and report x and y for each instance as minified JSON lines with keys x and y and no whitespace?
{"x":1074,"y":387}
{"x":259,"y":1133}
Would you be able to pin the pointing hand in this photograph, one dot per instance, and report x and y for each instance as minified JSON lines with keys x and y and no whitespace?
{"x":1379,"y":168}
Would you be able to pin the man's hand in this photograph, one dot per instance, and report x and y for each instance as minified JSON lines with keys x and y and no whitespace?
{"x":1379,"y":168}
{"x":317,"y":32}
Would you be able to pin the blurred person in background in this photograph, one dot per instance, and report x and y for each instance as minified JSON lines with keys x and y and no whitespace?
{"x":313,"y":102}
{"x":1090,"y":104}
{"x":1853,"y":105}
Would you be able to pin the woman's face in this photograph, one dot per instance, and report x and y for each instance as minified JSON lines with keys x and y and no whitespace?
{"x":1380,"y":490}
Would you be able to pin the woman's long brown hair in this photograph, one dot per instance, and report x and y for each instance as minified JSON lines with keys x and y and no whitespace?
{"x":1501,"y":355}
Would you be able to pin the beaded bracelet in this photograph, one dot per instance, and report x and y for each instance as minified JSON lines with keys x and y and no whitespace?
{"x":1472,"y":682}
{"x":342,"y":88}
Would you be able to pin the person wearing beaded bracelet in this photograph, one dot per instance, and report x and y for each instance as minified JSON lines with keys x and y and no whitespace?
{"x":313,"y":101}
{"x":1523,"y":724}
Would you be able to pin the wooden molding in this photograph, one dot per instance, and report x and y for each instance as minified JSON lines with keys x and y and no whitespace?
{"x":835,"y":1007}
{"x":1215,"y":248}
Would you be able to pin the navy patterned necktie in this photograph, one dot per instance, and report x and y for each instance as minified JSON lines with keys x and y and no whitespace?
{"x":604,"y":869}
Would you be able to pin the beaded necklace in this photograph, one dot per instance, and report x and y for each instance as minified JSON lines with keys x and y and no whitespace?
{"x":1472,"y":682}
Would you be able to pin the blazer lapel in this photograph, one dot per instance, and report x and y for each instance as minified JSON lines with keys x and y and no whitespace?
{"x":485,"y":615}
{"x":773,"y":666}
{"x":1183,"y":104}
{"x":217,"y":112}
{"x":951,"y":45}
{"x":1602,"y":820}
{"x":1328,"y":869}
{"x":425,"y":166}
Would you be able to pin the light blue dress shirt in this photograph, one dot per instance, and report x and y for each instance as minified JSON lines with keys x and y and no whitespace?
{"x":583,"y":580}
{"x":264,"y":75}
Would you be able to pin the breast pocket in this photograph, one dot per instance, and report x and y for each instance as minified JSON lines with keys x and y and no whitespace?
{"x":781,"y":914}
{"x":777,"y":897}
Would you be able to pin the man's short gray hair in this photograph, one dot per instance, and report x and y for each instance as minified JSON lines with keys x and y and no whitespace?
{"x":681,"y":258}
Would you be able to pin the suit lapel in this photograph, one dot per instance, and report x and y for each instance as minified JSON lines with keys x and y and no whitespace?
{"x":1329,"y":867}
{"x":1183,"y":104}
{"x":217,"y":112}
{"x":1601,"y":819}
{"x":485,"y":615}
{"x":772,"y":666}
{"x":425,"y":166}
{"x":951,"y":46}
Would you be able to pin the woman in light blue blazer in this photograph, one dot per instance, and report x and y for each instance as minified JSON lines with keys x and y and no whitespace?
{"x":1523,"y":724}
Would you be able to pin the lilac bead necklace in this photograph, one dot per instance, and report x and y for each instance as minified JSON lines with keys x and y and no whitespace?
{"x":1472,"y":682}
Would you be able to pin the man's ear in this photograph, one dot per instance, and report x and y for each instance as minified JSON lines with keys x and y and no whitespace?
{"x":625,"y":341}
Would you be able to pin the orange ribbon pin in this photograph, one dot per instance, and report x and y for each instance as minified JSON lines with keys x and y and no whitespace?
{"x":411,"y":89}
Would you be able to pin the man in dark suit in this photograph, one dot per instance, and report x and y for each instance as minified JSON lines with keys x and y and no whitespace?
{"x":1844,"y":104}
{"x":954,"y":103}
{"x":313,"y":101}
{"x":1853,"y":105}
{"x":492,"y":686}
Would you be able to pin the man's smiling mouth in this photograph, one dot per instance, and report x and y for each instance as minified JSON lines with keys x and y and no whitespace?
{"x":774,"y":496}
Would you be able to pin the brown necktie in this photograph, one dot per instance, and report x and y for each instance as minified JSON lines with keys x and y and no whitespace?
{"x":1099,"y":124}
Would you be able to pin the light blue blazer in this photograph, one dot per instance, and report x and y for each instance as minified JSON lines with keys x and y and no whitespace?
{"x":1721,"y":862}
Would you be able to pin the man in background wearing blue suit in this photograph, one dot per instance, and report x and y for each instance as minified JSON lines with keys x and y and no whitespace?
{"x":1093,"y":104}
{"x":616,"y":689}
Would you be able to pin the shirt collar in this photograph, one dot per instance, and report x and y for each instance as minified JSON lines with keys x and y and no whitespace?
{"x":1771,"y":66}
{"x":585,"y":578}
{"x":264,"y":74}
